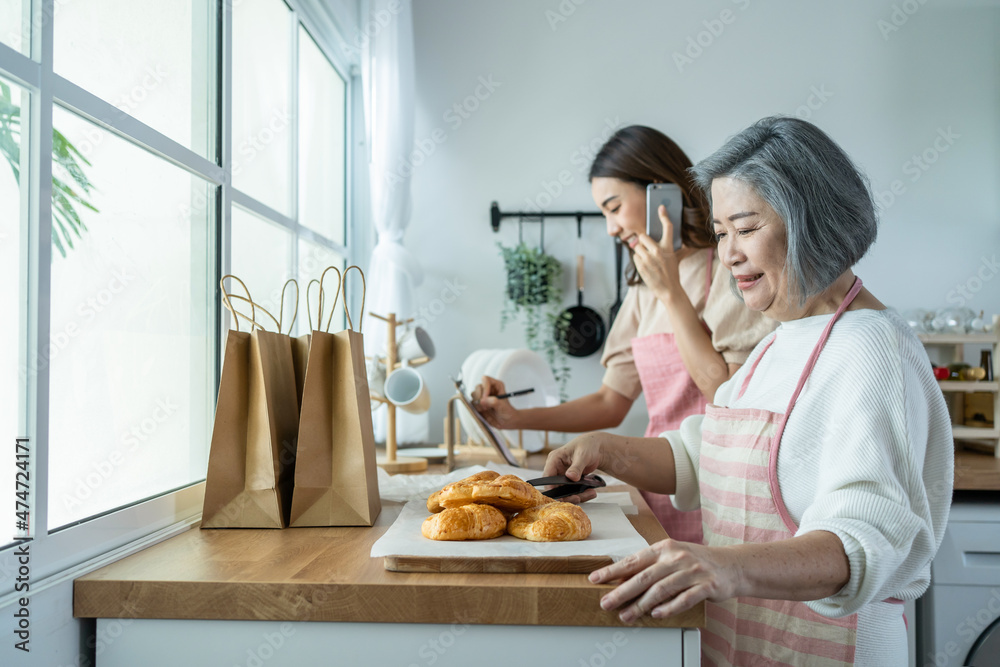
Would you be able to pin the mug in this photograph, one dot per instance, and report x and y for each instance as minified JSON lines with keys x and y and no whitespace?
{"x":413,"y":344}
{"x":406,"y":389}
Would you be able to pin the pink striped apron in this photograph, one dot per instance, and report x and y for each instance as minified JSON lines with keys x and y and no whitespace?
{"x":671,"y":395}
{"x":741,"y":503}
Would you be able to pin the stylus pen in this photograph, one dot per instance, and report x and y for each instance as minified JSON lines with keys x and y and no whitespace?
{"x":516,"y":393}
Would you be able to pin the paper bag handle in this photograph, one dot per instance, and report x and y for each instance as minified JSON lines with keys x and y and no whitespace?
{"x":281,"y":308}
{"x":308,"y":304}
{"x":364,"y":290}
{"x":229,"y":305}
{"x":255,"y":307}
{"x":336,"y":295}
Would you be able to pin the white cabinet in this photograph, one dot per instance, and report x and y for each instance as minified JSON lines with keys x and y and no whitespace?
{"x":170,"y":642}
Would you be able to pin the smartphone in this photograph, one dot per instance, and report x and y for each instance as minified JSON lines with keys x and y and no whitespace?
{"x":669,"y":195}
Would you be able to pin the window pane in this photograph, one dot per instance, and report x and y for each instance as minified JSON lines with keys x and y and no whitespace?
{"x":152,"y":59}
{"x":130,"y":356}
{"x":262,"y":123}
{"x":313,"y":259}
{"x":262,"y":258}
{"x":16,"y":22}
{"x":13,"y":371}
{"x":321,"y":142}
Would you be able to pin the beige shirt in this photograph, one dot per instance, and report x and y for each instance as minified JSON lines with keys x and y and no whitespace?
{"x":735,"y":328}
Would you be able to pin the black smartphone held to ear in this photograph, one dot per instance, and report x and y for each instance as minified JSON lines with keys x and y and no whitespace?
{"x":669,"y":195}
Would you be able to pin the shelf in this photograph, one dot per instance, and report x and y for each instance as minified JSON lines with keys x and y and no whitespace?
{"x":974,"y":433}
{"x":957,"y":394}
{"x":958,"y":339}
{"x":968,"y":387}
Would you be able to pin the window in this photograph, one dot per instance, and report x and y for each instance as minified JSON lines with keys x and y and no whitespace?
{"x":131,"y":384}
{"x":150,"y":59}
{"x":321,"y":142}
{"x":16,"y":22}
{"x":313,"y":260}
{"x":262,"y":102}
{"x":262,"y":259}
{"x":188,"y":139}
{"x":13,"y":213}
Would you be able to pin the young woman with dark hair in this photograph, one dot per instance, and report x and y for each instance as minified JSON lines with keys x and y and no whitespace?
{"x":681,"y":332}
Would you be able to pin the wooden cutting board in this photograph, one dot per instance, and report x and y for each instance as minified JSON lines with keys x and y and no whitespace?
{"x":404,"y":549}
{"x":498,"y":565}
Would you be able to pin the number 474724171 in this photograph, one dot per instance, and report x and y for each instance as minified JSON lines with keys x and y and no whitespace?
{"x":22,"y":481}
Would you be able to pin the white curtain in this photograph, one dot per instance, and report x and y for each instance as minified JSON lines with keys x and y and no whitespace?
{"x":388,"y":81}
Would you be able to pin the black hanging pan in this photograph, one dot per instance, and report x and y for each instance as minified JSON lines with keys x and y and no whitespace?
{"x":584,"y":332}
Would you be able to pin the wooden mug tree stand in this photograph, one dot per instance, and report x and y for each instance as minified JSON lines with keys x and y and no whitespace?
{"x":391,"y":463}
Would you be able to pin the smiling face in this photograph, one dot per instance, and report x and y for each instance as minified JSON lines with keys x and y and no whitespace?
{"x":752,"y":245}
{"x":623,"y":205}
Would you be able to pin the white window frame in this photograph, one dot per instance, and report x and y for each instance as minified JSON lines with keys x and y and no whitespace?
{"x":59,"y":554}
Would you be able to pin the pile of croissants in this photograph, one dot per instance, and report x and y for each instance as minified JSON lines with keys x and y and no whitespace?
{"x":488,"y":504}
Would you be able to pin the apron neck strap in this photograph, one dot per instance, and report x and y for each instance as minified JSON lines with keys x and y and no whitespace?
{"x":851,"y":293}
{"x":772,"y":474}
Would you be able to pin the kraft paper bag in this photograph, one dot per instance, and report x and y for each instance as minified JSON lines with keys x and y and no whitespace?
{"x":336,"y":481}
{"x":252,"y":458}
{"x":300,"y":344}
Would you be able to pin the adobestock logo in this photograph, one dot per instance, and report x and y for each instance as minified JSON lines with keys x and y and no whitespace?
{"x":918,"y":164}
{"x":255,"y":143}
{"x":88,"y":310}
{"x":454,"y":116}
{"x":817,"y":98}
{"x":984,"y":273}
{"x":901,"y":13}
{"x":703,"y":40}
{"x":376,"y":23}
{"x":564,"y":10}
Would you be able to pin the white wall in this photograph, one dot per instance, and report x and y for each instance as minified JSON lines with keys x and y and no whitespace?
{"x":560,"y":82}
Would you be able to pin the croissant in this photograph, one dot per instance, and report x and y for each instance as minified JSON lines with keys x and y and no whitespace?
{"x":506,"y":492}
{"x":433,"y":506}
{"x":468,"y":522}
{"x":555,"y":522}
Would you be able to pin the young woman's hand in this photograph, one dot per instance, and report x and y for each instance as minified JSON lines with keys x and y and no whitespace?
{"x":498,"y":412}
{"x":669,"y":577}
{"x":656,"y":262}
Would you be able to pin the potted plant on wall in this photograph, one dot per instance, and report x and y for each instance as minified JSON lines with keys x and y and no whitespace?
{"x":532,"y":289}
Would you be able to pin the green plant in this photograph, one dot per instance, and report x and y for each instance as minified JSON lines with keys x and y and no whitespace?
{"x":532,"y":289}
{"x":65,"y":220}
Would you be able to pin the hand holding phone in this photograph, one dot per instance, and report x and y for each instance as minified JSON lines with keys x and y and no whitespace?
{"x":670,"y":196}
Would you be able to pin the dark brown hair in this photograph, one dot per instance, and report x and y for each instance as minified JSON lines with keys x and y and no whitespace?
{"x":641,"y":155}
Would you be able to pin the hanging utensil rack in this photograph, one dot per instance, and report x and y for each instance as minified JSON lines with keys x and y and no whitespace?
{"x":496,"y":216}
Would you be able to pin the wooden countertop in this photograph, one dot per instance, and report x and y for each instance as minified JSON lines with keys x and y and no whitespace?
{"x":326,"y":574}
{"x":976,"y":471}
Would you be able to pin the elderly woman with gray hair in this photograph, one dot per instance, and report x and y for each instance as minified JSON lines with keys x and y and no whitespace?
{"x":823,"y":468}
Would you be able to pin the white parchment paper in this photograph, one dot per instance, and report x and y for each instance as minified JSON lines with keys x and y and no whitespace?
{"x":403,"y":488}
{"x":612,"y":535}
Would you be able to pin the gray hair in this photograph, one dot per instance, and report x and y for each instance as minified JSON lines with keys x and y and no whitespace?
{"x":822,"y":197}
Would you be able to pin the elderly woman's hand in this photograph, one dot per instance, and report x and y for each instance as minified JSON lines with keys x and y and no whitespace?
{"x":580,"y":456}
{"x":657,"y":262}
{"x":669,"y":577}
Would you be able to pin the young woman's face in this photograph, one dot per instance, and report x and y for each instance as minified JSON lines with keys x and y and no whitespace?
{"x":752,"y":245}
{"x":623,"y":205}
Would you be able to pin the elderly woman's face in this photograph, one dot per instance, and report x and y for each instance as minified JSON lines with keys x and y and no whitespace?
{"x":623,"y":205}
{"x":752,"y":245}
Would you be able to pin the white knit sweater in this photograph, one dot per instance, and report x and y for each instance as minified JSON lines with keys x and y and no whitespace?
{"x":867,"y":454}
